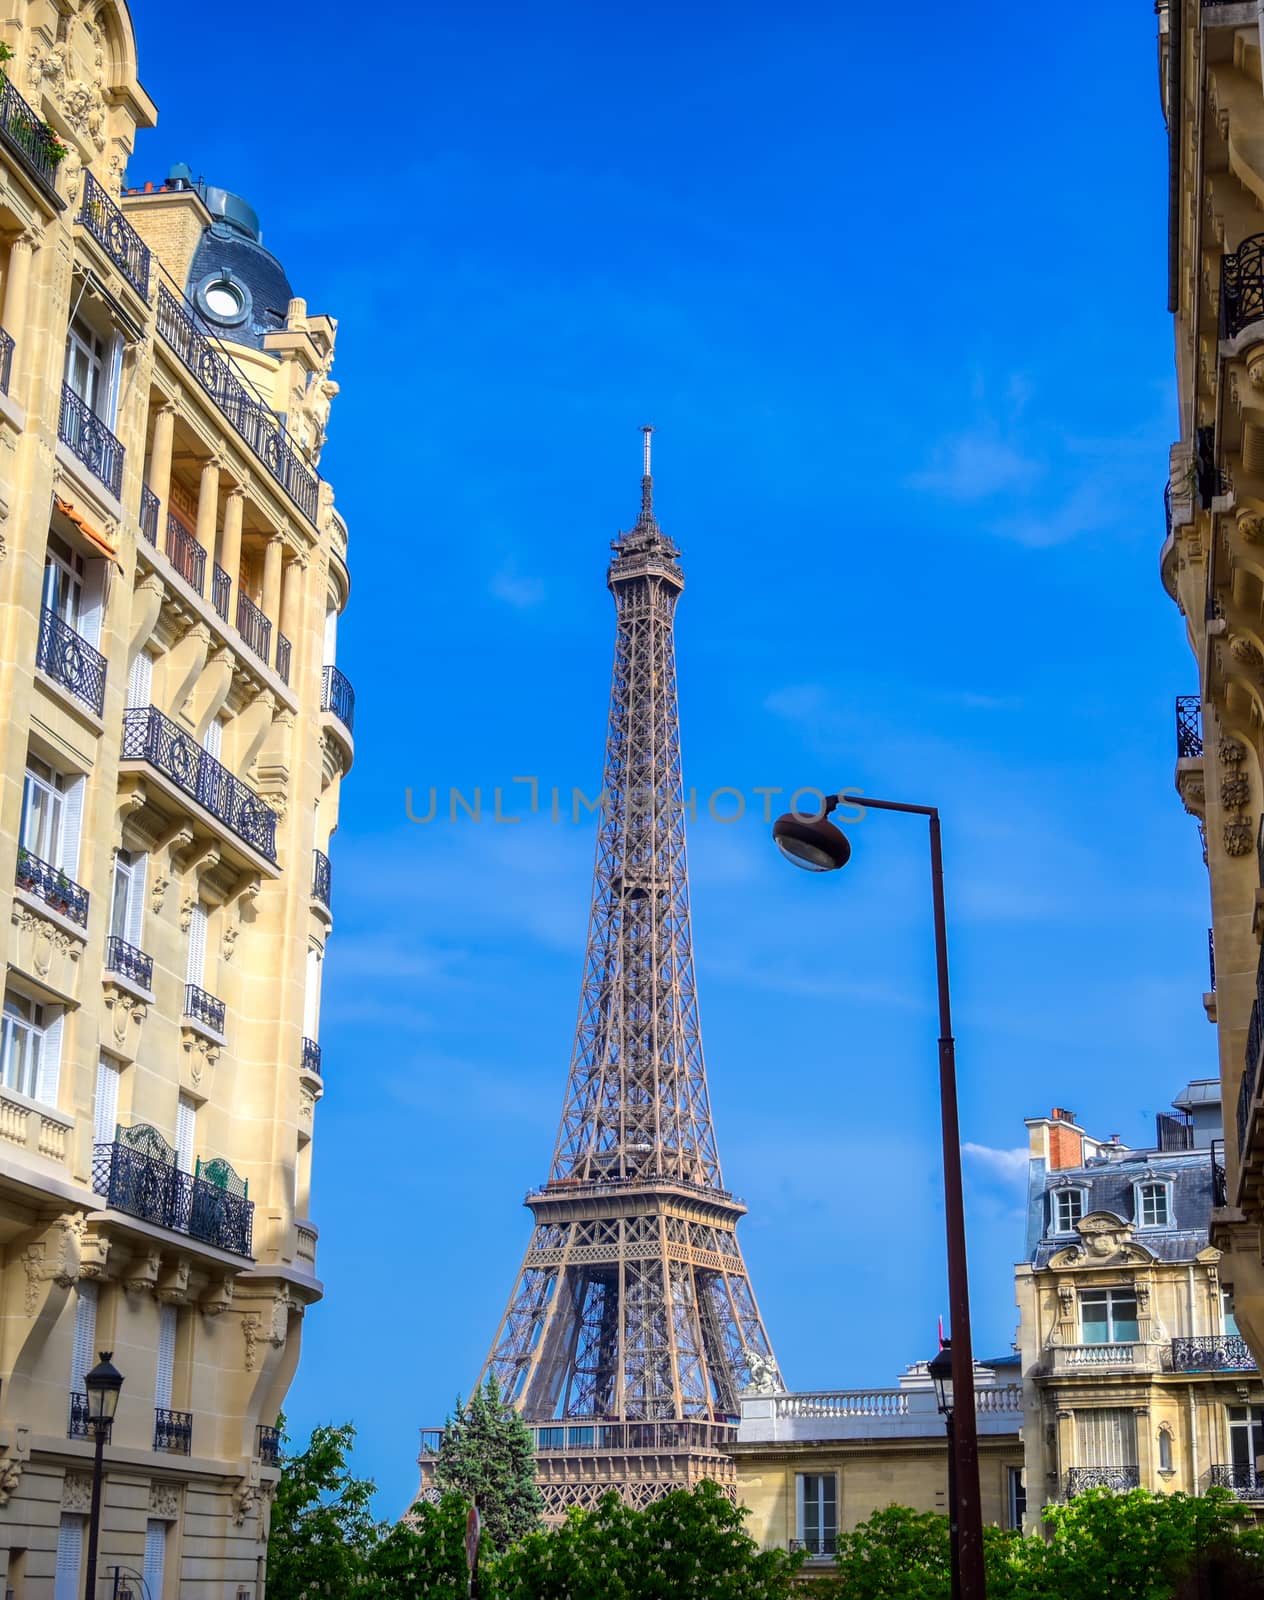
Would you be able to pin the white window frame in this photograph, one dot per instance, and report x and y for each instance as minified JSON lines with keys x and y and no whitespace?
{"x":820,"y":1539}
{"x":93,"y":366}
{"x":1057,"y":1196}
{"x":24,"y":1030}
{"x":1114,"y":1292}
{"x":1228,"y":1322}
{"x":140,"y":682}
{"x":1141,"y":1189}
{"x":65,"y":582}
{"x":44,"y":839}
{"x":1015,"y":1498}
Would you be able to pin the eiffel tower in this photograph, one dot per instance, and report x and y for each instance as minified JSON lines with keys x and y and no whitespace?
{"x":632,"y":1328}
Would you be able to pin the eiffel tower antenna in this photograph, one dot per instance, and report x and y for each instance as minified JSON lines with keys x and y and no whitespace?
{"x":632,"y":1328}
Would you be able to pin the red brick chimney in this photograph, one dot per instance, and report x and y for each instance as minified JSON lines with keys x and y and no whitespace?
{"x":1066,"y":1142}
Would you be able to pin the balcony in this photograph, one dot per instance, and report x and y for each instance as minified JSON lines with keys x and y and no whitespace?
{"x":77,"y":1426}
{"x":1225,"y":1352}
{"x":221,"y":590}
{"x":1120,"y":1479}
{"x":1242,"y":286}
{"x":52,"y":886}
{"x":115,"y":234}
{"x":1240,"y":1480}
{"x":149,"y":514}
{"x":337,"y":695}
{"x":283,"y":658}
{"x":254,"y":627}
{"x":268,"y":1445}
{"x":151,"y":737}
{"x":173,"y":1431}
{"x":619,"y":1436}
{"x":199,"y":1006}
{"x":1094,"y":1358}
{"x":260,"y":427}
{"x":322,"y":879}
{"x":32,"y":138}
{"x":137,"y":1174}
{"x":311,"y":1057}
{"x":71,"y":661}
{"x":1189,"y":728}
{"x":90,"y":441}
{"x":6,"y":360}
{"x":185,"y":554}
{"x":128,"y":962}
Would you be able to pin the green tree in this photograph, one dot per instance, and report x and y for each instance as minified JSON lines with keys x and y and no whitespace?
{"x":322,"y":1529}
{"x":686,"y":1546}
{"x":423,"y":1557}
{"x":486,"y":1455}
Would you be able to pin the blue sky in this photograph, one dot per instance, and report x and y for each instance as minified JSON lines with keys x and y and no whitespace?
{"x":893,"y":296}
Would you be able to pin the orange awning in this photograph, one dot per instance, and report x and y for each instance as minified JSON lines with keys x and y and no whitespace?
{"x":85,"y":527}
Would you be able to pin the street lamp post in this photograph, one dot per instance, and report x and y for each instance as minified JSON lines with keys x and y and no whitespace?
{"x":815,"y":843}
{"x":103,"y":1384}
{"x":940,"y":1369}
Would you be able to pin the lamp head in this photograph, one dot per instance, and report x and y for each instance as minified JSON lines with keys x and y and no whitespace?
{"x":811,"y":841}
{"x":103,"y":1384}
{"x":940,"y":1369}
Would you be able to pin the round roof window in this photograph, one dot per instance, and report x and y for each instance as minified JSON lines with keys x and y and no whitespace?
{"x":223,"y":299}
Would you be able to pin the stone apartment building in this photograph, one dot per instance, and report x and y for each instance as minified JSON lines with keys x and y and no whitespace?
{"x":1134,"y":1372}
{"x":175,"y":735}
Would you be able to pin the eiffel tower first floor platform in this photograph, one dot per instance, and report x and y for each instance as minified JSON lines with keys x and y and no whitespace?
{"x":577,"y":1462}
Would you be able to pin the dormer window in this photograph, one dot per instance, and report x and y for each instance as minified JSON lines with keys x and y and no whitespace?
{"x":1154,"y":1205}
{"x":1068,"y":1208}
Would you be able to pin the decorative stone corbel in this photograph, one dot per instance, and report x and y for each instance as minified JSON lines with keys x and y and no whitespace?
{"x":217,"y":1297}
{"x":142,"y":1272}
{"x":172,"y":1287}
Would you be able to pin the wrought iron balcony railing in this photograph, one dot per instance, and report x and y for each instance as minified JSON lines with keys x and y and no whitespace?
{"x":77,"y":1425}
{"x":254,"y":627}
{"x":1223,"y":1352}
{"x":1120,"y":1479}
{"x":150,"y":736}
{"x":173,"y":1431}
{"x":816,"y":1544}
{"x":203,"y":1007}
{"x":1242,"y":286}
{"x":1219,"y":1180}
{"x":221,"y":590}
{"x":1211,"y":959}
{"x":149,"y":514}
{"x":261,"y":428}
{"x":1240,"y":1479}
{"x":28,"y":134}
{"x":269,"y":1444}
{"x":322,"y":879}
{"x":1189,"y":727}
{"x":337,"y":695}
{"x":52,"y":886}
{"x":283,"y":658}
{"x":115,"y":234}
{"x":311,"y":1056}
{"x":71,"y":661}
{"x":90,"y":441}
{"x":137,"y":1174}
{"x":186,"y":555}
{"x":129,"y":962}
{"x":6,"y":360}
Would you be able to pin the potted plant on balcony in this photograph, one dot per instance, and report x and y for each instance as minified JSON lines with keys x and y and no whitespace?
{"x":59,"y":893}
{"x":25,"y":874}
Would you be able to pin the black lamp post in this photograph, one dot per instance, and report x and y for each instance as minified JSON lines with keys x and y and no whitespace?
{"x":103,"y":1384}
{"x":813,"y":842}
{"x":940,"y":1369}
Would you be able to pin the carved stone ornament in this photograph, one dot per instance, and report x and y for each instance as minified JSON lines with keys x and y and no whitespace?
{"x":124,"y":1008}
{"x":218,"y":1296}
{"x":764,"y":1377}
{"x":54,"y":1259}
{"x":1235,"y":790}
{"x":142,"y":1272}
{"x":10,"y":1477}
{"x":164,"y":1501}
{"x":157,"y":892}
{"x":245,"y":1502}
{"x":1230,"y":751}
{"x":1251,"y":523}
{"x":187,"y":906}
{"x":76,"y":1492}
{"x":1245,"y":651}
{"x":1238,"y":838}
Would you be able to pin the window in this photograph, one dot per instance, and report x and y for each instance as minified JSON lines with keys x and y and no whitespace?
{"x":89,"y":368}
{"x":1226,"y":1309}
{"x":1246,"y":1443}
{"x":63,"y":581}
{"x":155,"y":1557}
{"x":1106,"y":1436}
{"x":67,"y":1584}
{"x":1016,"y":1498}
{"x":1165,"y":1450}
{"x":43,"y":811}
{"x":213,"y":738}
{"x":186,"y":1128}
{"x":311,"y":995}
{"x":817,"y":1501}
{"x":1108,"y":1316}
{"x":81,"y":1354}
{"x":1068,"y":1208}
{"x":105,"y":1105}
{"x":1154,"y":1207}
{"x":127,"y":907}
{"x":196,"y":971}
{"x":167,"y":1323}
{"x":140,"y":680}
{"x":21,"y":1044}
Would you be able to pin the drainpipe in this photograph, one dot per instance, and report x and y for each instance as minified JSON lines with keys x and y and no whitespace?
{"x":1175,"y":36}
{"x":1193,"y":1408}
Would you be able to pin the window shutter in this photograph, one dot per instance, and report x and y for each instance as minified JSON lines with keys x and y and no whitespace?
{"x":186,"y":1121}
{"x":166,"y":1357}
{"x":331,"y":635}
{"x":136,"y":902}
{"x":49,"y":1076}
{"x":94,"y":584}
{"x":107,"y":409}
{"x":155,"y":1557}
{"x":72,"y":826}
{"x":69,"y":1557}
{"x":82,"y":1358}
{"x":197,"y":946}
{"x":213,"y":738}
{"x":311,"y":996}
{"x":140,"y":681}
{"x":105,"y":1107}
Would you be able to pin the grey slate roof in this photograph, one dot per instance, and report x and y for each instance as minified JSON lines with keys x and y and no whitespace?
{"x":1108,"y":1185}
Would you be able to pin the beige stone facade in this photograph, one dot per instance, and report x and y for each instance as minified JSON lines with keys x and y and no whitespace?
{"x":813,"y":1465}
{"x":1134,"y":1373}
{"x":171,"y":570}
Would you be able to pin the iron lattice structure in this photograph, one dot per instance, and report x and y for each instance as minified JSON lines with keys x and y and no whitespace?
{"x":632,"y":1328}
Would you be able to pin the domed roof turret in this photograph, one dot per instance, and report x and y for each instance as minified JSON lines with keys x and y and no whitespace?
{"x":240,"y":289}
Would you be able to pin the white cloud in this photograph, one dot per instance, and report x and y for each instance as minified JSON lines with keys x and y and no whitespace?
{"x":1010,"y":1165}
{"x":522,"y":593}
{"x":977,"y":465}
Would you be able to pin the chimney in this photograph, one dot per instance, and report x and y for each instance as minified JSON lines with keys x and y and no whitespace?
{"x":1066,"y":1142}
